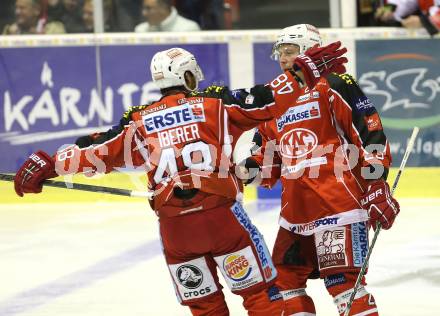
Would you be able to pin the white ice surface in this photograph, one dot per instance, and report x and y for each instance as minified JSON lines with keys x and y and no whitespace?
{"x":104,"y":259}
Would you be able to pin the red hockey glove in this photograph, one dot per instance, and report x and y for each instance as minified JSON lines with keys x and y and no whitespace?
{"x":380,"y":204}
{"x":37,"y":168}
{"x":320,"y":61}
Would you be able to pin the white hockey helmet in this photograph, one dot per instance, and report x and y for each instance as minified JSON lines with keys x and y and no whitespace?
{"x":168,"y":68}
{"x":303,"y":35}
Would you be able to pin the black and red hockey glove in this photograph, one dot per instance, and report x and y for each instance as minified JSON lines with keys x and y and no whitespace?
{"x":320,"y":61}
{"x":381,"y":206}
{"x":37,"y":168}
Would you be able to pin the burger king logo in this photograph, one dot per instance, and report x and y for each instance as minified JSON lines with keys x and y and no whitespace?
{"x":237,"y":267}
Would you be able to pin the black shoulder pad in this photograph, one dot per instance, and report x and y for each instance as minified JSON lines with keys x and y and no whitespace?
{"x":84,"y":141}
{"x":210,"y":92}
{"x":338,"y":81}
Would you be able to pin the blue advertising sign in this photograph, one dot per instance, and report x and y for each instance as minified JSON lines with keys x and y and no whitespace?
{"x":50,"y":95}
{"x":402,"y":79}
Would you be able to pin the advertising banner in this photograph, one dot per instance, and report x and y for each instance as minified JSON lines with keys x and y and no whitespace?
{"x":50,"y":96}
{"x":265,"y":69}
{"x":402,"y":79}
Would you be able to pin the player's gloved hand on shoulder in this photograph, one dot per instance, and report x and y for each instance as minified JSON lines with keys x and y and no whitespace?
{"x":381,"y":206}
{"x":320,"y":61}
{"x":37,"y":168}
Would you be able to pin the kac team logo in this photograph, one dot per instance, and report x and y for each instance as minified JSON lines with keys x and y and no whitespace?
{"x":189,"y":276}
{"x":237,"y":267}
{"x":298,"y":143}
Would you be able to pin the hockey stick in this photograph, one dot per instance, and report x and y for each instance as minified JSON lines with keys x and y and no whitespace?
{"x":408,"y":150}
{"x":85,"y":187}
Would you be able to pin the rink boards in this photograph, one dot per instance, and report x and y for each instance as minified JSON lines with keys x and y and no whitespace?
{"x":415,"y":183}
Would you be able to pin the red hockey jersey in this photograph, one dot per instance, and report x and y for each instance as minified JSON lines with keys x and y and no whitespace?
{"x":317,"y":148}
{"x":185,"y":143}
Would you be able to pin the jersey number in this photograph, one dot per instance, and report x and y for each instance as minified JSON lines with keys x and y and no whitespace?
{"x":281,"y":80}
{"x":168,"y":159}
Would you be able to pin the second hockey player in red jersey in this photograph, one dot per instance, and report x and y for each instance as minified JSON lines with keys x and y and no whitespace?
{"x":330,"y":152}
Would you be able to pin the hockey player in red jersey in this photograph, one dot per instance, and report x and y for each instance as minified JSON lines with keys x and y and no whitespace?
{"x":185,"y":141}
{"x":330,"y":152}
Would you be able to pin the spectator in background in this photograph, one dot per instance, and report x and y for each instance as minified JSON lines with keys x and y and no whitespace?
{"x":87,"y":16}
{"x":411,"y":14}
{"x":162,"y":16}
{"x":68,"y":12}
{"x":428,"y":17}
{"x":392,"y":12}
{"x":30,"y":19}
